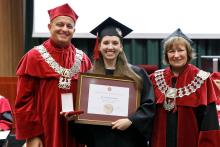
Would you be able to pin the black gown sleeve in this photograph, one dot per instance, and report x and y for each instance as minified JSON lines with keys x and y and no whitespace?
{"x":142,"y":119}
{"x":207,"y":120}
{"x":7,"y":116}
{"x":207,"y":117}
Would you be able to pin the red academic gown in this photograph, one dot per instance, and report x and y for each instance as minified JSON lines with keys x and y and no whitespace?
{"x":38,"y":101}
{"x":193,"y":130}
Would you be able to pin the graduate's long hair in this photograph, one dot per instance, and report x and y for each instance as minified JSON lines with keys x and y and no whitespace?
{"x":122,"y":69}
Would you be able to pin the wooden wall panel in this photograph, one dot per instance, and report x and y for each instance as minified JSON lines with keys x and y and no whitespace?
{"x":11,"y":36}
{"x":11,"y":46}
{"x":17,"y":33}
{"x":5,"y":38}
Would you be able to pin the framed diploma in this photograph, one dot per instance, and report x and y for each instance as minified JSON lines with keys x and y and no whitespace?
{"x":105,"y":99}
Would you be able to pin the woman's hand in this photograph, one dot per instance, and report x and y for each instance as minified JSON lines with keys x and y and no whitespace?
{"x":67,"y":116}
{"x":121,"y":124}
{"x":34,"y":142}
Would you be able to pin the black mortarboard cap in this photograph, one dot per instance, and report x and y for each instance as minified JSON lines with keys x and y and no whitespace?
{"x":178,"y":33}
{"x":109,"y":27}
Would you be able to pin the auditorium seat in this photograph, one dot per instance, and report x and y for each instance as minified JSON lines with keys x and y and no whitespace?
{"x":148,"y":68}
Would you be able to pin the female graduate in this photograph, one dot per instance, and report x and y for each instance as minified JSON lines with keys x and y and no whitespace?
{"x":110,"y":59}
{"x":186,"y":113}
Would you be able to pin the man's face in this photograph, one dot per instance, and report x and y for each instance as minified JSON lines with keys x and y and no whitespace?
{"x":61,"y":29}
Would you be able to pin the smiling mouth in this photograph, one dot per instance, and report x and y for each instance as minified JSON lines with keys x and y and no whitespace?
{"x":63,"y":35}
{"x":110,"y":53}
{"x":177,"y":60}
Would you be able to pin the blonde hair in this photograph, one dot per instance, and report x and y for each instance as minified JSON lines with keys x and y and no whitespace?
{"x":122,"y":69}
{"x":177,"y":41}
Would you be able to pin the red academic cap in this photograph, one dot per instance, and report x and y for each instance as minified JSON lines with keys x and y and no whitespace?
{"x":63,"y":10}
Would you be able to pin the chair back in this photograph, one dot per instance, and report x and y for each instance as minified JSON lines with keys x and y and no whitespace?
{"x":148,"y":68}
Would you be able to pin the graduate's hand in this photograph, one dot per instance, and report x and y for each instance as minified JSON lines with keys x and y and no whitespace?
{"x":121,"y":124}
{"x":67,"y":116}
{"x":1,"y":129}
{"x":34,"y":142}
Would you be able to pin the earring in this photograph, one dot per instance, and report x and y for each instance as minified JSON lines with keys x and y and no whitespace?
{"x":99,"y":49}
{"x":120,"y":51}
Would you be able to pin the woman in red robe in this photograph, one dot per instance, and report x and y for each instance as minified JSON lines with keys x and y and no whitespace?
{"x":186,"y":113}
{"x":6,"y":122}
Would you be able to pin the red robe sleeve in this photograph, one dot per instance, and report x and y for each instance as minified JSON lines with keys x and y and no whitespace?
{"x":5,"y":106}
{"x":28,"y":123}
{"x":209,"y":138}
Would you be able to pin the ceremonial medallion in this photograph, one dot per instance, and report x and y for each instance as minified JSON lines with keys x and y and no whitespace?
{"x":167,"y":105}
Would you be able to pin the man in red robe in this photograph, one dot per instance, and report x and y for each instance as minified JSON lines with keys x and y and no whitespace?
{"x":6,"y":122}
{"x":46,"y":72}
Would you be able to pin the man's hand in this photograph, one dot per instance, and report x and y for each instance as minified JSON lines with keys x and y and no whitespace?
{"x":67,"y":116}
{"x":34,"y":142}
{"x":121,"y":124}
{"x":1,"y":129}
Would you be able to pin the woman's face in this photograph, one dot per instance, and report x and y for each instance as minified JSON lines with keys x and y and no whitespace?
{"x":177,"y":56}
{"x":110,"y":47}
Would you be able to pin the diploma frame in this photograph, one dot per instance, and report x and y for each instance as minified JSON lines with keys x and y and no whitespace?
{"x":84,"y":81}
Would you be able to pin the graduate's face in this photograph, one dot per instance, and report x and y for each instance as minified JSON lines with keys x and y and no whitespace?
{"x":61,"y":29}
{"x":177,"y":56}
{"x":110,"y":47}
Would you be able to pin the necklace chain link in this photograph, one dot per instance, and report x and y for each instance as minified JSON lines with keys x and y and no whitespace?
{"x":174,"y":93}
{"x":66,"y":74}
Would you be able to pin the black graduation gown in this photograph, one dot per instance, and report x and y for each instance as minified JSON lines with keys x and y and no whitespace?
{"x":137,"y":135}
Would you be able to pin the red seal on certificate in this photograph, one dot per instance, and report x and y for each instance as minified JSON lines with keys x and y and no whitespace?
{"x":109,"y":89}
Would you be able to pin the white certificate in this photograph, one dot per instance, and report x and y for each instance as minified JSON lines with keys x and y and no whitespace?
{"x":4,"y":134}
{"x":108,"y":100}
